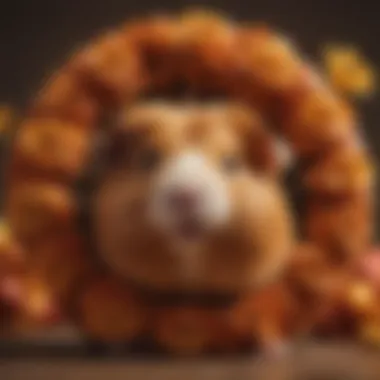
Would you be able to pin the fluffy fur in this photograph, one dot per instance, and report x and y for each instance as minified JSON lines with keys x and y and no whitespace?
{"x":189,"y":201}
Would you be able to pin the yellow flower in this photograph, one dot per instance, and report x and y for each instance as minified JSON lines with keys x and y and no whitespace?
{"x":5,"y":235}
{"x":6,"y":117}
{"x":361,"y":296}
{"x":348,"y":71}
{"x":370,"y":332}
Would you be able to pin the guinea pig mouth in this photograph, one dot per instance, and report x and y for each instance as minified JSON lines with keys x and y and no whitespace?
{"x":190,"y":229}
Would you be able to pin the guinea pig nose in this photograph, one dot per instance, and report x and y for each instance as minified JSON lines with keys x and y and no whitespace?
{"x":182,"y":199}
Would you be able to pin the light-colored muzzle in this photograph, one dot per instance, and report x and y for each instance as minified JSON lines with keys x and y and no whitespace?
{"x":189,"y":196}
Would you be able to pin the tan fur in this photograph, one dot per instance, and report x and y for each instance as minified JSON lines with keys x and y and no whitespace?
{"x":249,"y":250}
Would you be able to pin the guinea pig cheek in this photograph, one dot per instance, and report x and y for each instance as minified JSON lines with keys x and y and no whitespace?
{"x":189,"y":197}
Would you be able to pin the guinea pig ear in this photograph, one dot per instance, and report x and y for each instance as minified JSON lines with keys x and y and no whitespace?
{"x":115,"y":147}
{"x":265,"y":152}
{"x":269,"y":154}
{"x":118,"y":145}
{"x":284,"y":156}
{"x":122,"y":137}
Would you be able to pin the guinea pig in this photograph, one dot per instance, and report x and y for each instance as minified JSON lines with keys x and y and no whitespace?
{"x":190,"y":199}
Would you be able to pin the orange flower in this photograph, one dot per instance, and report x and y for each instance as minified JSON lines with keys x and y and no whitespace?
{"x":6,"y":118}
{"x":349,"y":71}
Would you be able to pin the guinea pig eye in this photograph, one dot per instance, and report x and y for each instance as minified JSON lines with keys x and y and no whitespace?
{"x":148,"y":160}
{"x":231,"y":164}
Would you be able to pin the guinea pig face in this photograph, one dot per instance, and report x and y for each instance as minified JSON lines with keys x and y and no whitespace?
{"x":186,"y":157}
{"x":190,"y":191}
{"x":172,"y":186}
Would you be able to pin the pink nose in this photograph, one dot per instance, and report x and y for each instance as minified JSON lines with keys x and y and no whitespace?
{"x":183,"y":200}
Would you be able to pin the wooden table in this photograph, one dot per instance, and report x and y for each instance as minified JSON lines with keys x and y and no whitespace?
{"x":307,"y":362}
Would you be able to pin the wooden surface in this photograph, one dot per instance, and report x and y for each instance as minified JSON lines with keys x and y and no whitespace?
{"x":311,"y":362}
